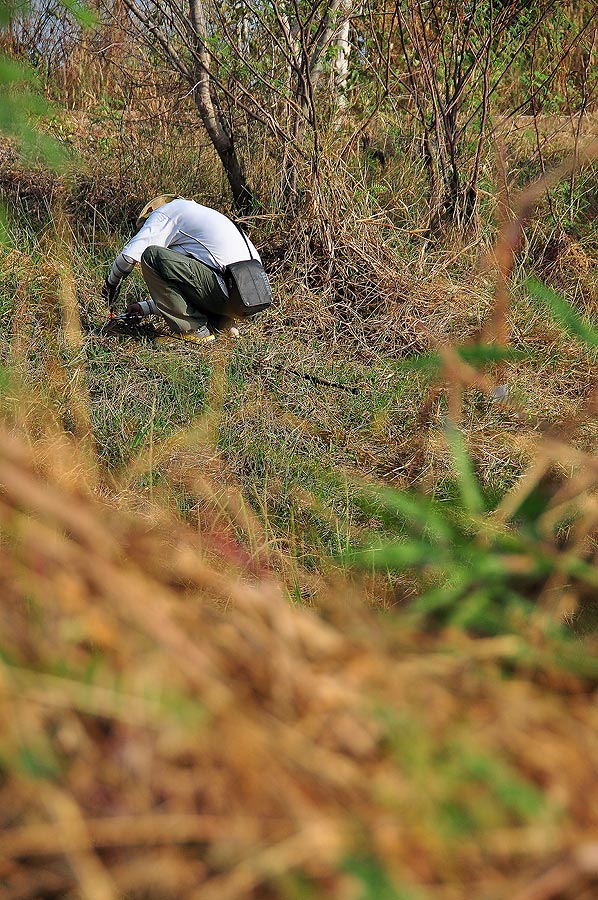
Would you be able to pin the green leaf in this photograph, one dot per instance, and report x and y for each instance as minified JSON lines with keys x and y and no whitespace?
{"x":394,"y":556}
{"x":84,"y":16}
{"x":425,"y":362}
{"x":418,"y":512}
{"x":18,"y":112}
{"x":471,"y":495}
{"x":474,"y":354}
{"x":445,"y":594}
{"x":38,"y":761}
{"x":471,"y":609}
{"x":520,"y":797}
{"x":11,"y":71}
{"x":577,"y":568}
{"x":374,"y":882}
{"x":481,"y":354}
{"x":563,"y":312}
{"x":20,"y":106}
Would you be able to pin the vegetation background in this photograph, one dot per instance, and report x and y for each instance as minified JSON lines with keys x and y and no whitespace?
{"x":313,"y":614}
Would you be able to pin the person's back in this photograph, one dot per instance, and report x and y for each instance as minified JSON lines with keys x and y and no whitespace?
{"x":193,"y":230}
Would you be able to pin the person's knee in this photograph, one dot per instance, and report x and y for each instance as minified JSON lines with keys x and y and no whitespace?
{"x":150,"y":258}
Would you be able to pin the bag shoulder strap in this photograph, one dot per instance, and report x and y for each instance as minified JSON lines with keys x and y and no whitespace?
{"x":242,"y":233}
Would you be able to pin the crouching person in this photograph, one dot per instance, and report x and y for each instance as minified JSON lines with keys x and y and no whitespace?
{"x":187,"y":253}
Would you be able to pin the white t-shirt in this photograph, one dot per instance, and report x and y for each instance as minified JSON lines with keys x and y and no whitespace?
{"x":192,"y":230}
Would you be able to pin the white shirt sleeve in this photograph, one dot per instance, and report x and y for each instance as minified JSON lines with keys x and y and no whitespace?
{"x":158,"y":231}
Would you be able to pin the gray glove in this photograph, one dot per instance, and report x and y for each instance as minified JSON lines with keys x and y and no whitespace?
{"x":110,"y":292}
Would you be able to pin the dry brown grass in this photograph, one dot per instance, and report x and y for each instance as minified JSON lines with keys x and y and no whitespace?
{"x":172,"y":727}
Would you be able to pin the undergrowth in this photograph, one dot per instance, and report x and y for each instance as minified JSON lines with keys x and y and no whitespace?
{"x":328,"y":388}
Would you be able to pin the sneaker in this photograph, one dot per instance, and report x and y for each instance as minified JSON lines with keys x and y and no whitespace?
{"x":225,"y":327}
{"x":201,"y":336}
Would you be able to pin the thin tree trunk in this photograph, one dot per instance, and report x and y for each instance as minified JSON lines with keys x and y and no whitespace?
{"x":343,"y":52}
{"x":215,"y":127}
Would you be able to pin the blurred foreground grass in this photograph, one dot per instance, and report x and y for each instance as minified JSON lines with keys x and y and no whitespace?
{"x":168,"y":718}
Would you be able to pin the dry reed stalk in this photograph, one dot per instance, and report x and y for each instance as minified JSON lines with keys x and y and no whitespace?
{"x":75,"y":842}
{"x":564,"y":876}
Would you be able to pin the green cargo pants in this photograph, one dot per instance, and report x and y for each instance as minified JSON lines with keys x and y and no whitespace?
{"x":186,"y":292}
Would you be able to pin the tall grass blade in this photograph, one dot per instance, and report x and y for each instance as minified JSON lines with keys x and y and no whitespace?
{"x":469,"y":489}
{"x":563,"y":312}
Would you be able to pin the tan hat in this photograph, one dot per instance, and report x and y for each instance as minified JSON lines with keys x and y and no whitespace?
{"x":152,"y":206}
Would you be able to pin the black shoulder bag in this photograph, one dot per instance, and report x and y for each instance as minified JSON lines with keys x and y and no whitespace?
{"x":249,"y":290}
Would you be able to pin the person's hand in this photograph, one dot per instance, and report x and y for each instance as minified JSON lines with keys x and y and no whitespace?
{"x":134,"y":309}
{"x":110,"y":292}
